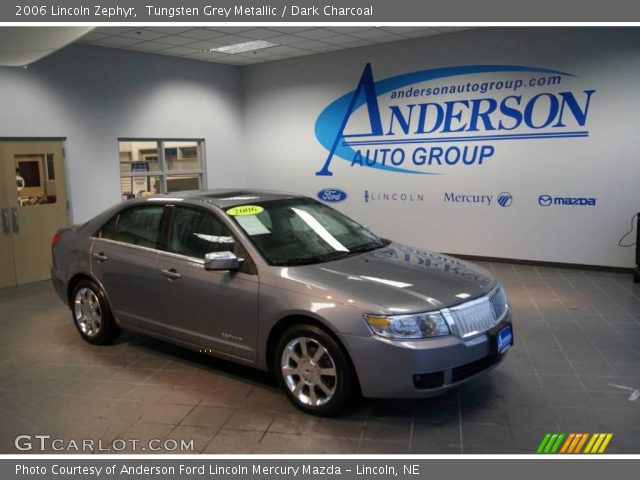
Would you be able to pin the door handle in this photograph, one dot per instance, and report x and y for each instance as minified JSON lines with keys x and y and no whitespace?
{"x":101,"y":257}
{"x":14,"y":220}
{"x":5,"y":221}
{"x":171,"y":274}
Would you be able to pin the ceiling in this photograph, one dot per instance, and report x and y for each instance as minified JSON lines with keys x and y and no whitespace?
{"x":190,"y":42}
{"x":20,"y":46}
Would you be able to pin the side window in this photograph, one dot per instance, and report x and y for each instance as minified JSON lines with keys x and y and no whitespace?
{"x":137,"y":225}
{"x":108,"y":230}
{"x":197,"y":232}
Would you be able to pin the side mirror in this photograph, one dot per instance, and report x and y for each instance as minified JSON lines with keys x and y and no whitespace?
{"x":221,"y":261}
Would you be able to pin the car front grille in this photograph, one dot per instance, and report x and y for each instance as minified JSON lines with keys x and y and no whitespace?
{"x":479,"y":315}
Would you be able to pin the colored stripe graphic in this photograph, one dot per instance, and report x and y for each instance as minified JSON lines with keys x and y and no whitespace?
{"x":568,"y":442}
{"x":574,"y":443}
{"x":543,"y":443}
{"x":598,"y":443}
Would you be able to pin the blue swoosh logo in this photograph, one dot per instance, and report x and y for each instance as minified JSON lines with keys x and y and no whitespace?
{"x":329,"y":121}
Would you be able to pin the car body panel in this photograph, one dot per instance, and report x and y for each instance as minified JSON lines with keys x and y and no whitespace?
{"x":217,"y":310}
{"x":398,"y":279}
{"x":130,"y":276}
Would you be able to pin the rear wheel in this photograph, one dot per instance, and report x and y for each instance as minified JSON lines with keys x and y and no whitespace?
{"x":636,"y":275}
{"x":91,"y":314}
{"x":313,"y":370}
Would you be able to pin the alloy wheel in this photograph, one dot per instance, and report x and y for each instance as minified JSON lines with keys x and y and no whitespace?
{"x":87,"y":311}
{"x":309,"y":371}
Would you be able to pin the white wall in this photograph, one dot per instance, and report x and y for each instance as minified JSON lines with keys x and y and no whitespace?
{"x":282,"y":101}
{"x":93,"y":95}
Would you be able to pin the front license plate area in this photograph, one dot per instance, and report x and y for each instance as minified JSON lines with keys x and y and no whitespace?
{"x":503,"y":340}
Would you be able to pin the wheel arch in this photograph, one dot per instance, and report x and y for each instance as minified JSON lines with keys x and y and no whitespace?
{"x":73,"y":282}
{"x":301,"y":319}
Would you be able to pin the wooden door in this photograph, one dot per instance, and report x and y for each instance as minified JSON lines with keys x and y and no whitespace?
{"x":37,"y":202}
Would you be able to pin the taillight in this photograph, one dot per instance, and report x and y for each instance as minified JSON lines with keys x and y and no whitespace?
{"x":56,"y":238}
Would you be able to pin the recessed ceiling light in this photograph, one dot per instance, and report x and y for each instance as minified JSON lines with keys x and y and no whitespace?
{"x":243,"y":47}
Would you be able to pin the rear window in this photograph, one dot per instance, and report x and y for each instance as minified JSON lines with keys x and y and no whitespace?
{"x":137,"y":226}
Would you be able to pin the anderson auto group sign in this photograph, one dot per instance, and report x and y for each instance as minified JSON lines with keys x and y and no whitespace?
{"x":427,"y":122}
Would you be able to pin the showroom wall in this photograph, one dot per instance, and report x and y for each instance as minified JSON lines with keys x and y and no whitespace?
{"x":94,"y":95}
{"x":551,"y":173}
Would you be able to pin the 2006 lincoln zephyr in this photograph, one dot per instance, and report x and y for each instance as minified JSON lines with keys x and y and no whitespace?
{"x":284,"y":283}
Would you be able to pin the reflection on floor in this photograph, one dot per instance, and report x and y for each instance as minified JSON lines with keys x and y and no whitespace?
{"x":575,"y":368}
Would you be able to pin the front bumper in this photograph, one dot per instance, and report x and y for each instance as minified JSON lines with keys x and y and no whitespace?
{"x":420,"y":368}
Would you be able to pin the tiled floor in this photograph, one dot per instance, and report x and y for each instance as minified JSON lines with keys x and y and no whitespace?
{"x":574,"y":368}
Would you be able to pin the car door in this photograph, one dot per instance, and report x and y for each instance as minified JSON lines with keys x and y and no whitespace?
{"x":211,"y":310}
{"x":124,"y":259}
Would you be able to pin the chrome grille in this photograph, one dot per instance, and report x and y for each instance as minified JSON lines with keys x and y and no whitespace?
{"x":479,"y":315}
{"x":498,"y":302}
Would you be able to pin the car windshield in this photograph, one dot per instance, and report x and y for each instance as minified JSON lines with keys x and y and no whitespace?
{"x":300,"y":231}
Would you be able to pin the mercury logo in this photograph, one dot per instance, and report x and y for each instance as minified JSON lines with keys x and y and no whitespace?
{"x":505,"y":199}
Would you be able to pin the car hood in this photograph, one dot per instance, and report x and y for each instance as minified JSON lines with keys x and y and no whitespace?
{"x":398,"y":279}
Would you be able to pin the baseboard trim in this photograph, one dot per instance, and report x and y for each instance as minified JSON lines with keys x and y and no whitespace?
{"x":576,"y":266}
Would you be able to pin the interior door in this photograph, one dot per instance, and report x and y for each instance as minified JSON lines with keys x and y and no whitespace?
{"x":216,"y":310}
{"x":36,"y":200}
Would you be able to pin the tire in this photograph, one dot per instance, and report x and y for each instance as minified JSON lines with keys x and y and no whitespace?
{"x":313,"y":370}
{"x":636,"y":275}
{"x":91,"y":314}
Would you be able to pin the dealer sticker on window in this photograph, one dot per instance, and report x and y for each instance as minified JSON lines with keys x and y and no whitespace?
{"x":245,"y":210}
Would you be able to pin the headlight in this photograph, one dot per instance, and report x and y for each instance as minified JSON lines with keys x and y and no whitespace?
{"x":422,"y":325}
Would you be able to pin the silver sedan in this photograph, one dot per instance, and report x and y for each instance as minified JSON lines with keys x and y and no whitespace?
{"x":284,"y":283}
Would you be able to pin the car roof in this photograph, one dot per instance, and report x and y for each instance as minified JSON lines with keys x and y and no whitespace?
{"x":225,"y":198}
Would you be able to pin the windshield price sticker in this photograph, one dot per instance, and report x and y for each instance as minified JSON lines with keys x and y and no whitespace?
{"x":245,"y":210}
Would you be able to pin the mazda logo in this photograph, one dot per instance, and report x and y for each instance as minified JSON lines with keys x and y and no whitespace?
{"x":545,"y":200}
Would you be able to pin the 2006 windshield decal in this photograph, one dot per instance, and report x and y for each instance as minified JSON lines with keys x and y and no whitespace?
{"x":403,"y":128}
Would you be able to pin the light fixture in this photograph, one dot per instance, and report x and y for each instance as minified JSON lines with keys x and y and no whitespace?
{"x":242,"y":47}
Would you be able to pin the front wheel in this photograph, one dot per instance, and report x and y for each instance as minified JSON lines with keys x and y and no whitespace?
{"x":636,"y":275}
{"x":92,"y":315}
{"x":313,"y":370}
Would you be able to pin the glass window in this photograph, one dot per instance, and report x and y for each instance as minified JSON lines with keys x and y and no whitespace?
{"x":145,"y":167}
{"x":139,"y":156}
{"x":29,"y":168}
{"x":182,"y":155}
{"x":195,"y":233}
{"x":302,"y":231}
{"x":183,"y":183}
{"x":140,"y":186}
{"x":35,"y":179}
{"x":51,"y":170}
{"x":138,"y":226}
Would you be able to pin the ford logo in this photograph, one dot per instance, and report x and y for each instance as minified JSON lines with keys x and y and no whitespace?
{"x":332,"y":195}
